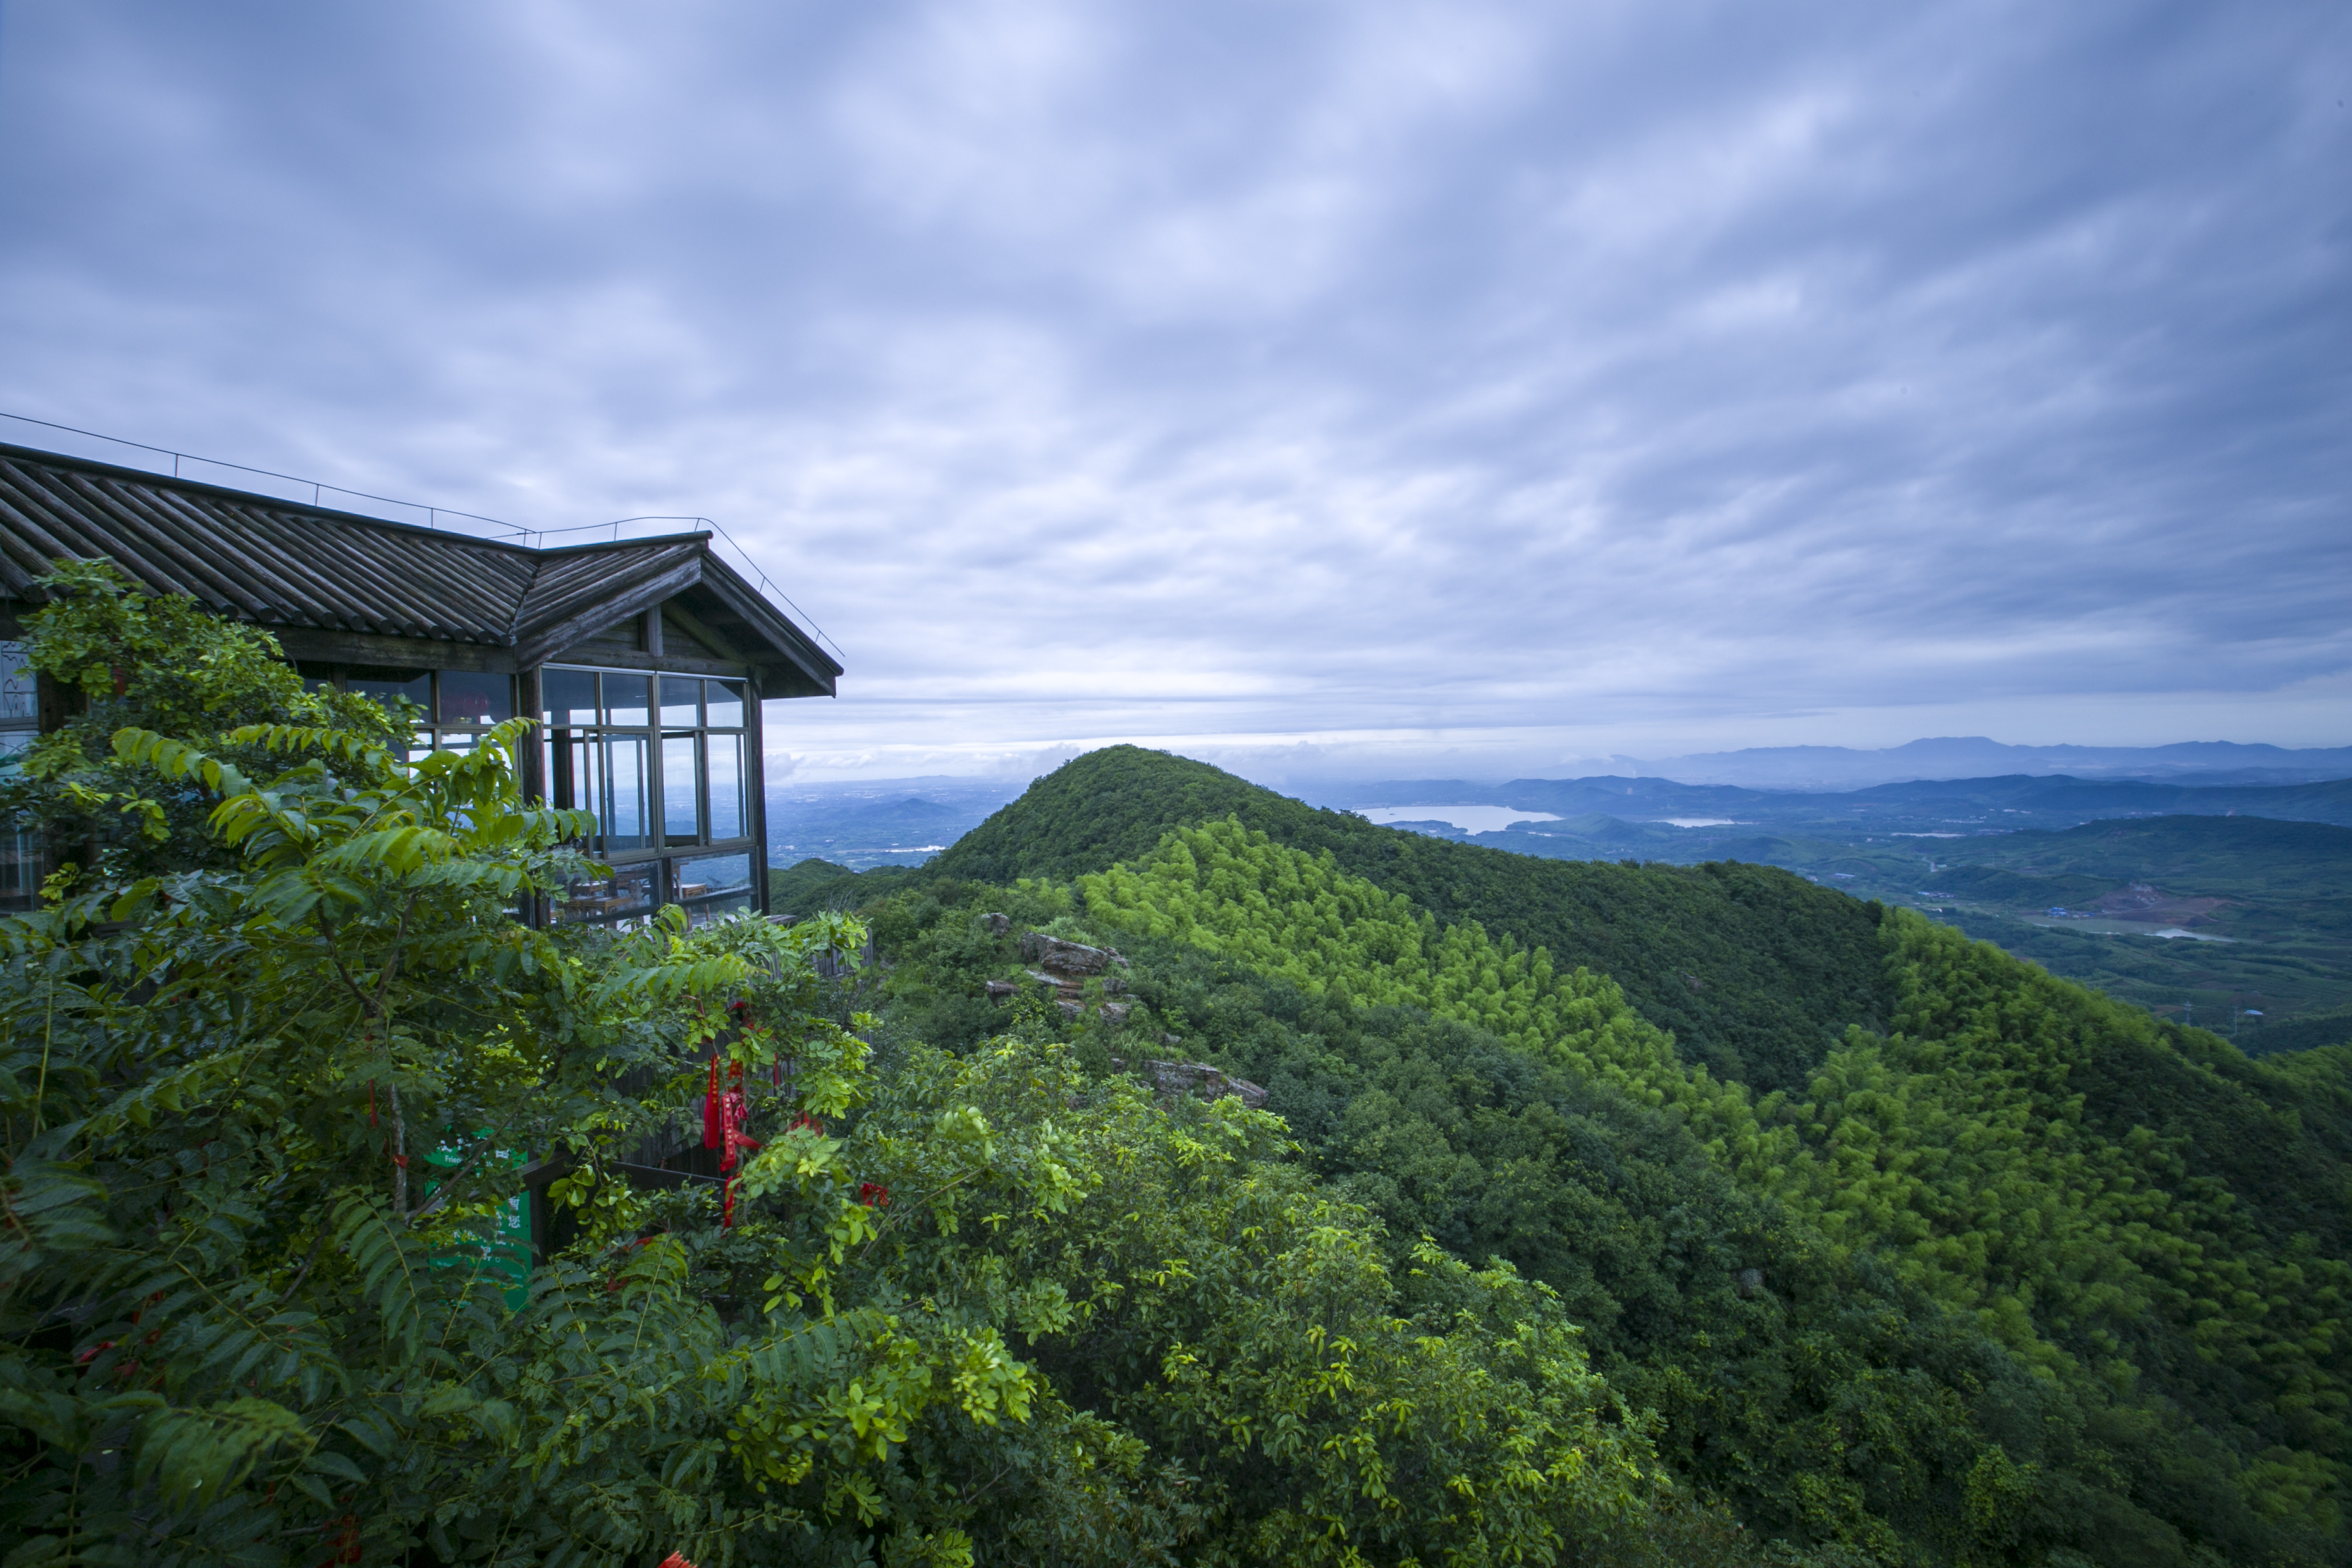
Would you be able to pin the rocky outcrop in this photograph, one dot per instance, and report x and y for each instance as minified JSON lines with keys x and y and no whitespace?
{"x":1066,"y":966}
{"x":1196,"y":1080}
{"x":1072,"y":959}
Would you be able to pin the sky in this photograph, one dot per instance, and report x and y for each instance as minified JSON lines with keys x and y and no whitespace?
{"x":1396,"y":389}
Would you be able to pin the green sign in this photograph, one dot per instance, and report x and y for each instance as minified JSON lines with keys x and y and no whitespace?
{"x":504,"y":1252}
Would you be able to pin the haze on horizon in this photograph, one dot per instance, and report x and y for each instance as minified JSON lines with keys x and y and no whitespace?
{"x":1405,"y":390}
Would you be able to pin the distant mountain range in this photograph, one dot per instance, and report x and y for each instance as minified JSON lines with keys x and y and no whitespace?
{"x":1974,"y":756}
{"x":1970,"y":804}
{"x":1905,"y":789}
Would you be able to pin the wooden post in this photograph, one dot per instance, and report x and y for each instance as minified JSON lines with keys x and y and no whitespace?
{"x":530,"y":770}
{"x":756,"y":782}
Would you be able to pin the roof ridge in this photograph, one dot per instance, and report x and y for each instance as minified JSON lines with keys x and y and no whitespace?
{"x":514,"y":616}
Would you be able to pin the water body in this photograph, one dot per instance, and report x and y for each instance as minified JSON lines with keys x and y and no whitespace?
{"x":2125,"y":927}
{"x":1468,"y":818}
{"x":1698,"y":821}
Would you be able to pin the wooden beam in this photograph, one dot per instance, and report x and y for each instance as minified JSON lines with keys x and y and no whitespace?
{"x":550,"y":644}
{"x":404,"y":653}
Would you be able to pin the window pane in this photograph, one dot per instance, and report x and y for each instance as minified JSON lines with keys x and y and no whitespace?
{"x":627,"y":698}
{"x":20,"y":866}
{"x":712,"y":887}
{"x":726,"y":753}
{"x":682,"y":699}
{"x":472,"y":697}
{"x":681,"y":803}
{"x":629,"y":891}
{"x":383,"y":685}
{"x":567,"y":697}
{"x":622,"y":806}
{"x":726,"y":702}
{"x":16,"y":685}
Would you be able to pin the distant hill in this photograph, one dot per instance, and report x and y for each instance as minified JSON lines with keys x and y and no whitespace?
{"x":1755,"y":970}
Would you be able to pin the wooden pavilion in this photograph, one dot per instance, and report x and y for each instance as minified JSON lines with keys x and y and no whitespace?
{"x":648,"y":661}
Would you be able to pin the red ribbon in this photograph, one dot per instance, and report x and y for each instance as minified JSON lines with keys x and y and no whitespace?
{"x":734,"y":1116}
{"x":713,"y":1135}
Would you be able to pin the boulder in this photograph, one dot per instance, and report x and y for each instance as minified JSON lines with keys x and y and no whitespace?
{"x":1001,"y":990}
{"x":998,"y":925}
{"x":1116,"y":1012}
{"x":1067,"y":958}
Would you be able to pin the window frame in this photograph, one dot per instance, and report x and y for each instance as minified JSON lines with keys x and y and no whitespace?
{"x":669,"y":851}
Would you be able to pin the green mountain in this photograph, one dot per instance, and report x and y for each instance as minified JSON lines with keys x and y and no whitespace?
{"x":1910,"y":1250}
{"x":1755,"y":971}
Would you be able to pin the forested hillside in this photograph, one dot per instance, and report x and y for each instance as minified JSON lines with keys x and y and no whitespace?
{"x":1755,"y":971}
{"x":2033,"y":1274}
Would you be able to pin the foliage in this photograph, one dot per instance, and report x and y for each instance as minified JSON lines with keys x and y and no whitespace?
{"x":2138,"y":1212}
{"x":970,"y":1308}
{"x":125,"y":660}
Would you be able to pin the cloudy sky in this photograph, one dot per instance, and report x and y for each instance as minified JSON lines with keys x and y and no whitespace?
{"x":1383,"y":387}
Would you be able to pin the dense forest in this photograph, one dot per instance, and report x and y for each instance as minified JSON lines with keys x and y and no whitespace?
{"x":2129,"y":1221}
{"x":1517,"y":1210}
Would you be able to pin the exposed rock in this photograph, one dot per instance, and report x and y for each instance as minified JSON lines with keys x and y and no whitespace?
{"x":1197,"y":1079}
{"x":1000,"y":990}
{"x":998,"y":925}
{"x":1072,"y":1009}
{"x":1113,"y":985}
{"x":1067,"y":958}
{"x":1172,"y":1041}
{"x":1749,"y":1283}
{"x":1116,"y":1012}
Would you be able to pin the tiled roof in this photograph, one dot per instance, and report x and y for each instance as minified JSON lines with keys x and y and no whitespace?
{"x":282,"y":563}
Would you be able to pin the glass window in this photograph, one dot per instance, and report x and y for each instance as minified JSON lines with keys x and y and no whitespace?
{"x":21,"y":863}
{"x":19,"y":691}
{"x":661,"y":763}
{"x":682,"y":699}
{"x":567,"y":697}
{"x":627,"y":894}
{"x":604,"y":776}
{"x":713,"y":886}
{"x":624,"y":806}
{"x":628,"y":698}
{"x":681,"y":794}
{"x":725,"y":755}
{"x":473,"y":697}
{"x":383,"y":685}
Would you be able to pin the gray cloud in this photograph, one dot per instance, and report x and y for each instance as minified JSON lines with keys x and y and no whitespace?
{"x":1415,"y":384}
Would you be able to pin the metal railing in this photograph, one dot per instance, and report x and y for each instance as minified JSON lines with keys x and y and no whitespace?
{"x":514,"y":533}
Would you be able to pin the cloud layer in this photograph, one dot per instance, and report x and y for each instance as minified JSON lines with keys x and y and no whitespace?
{"x":1393,"y":386}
